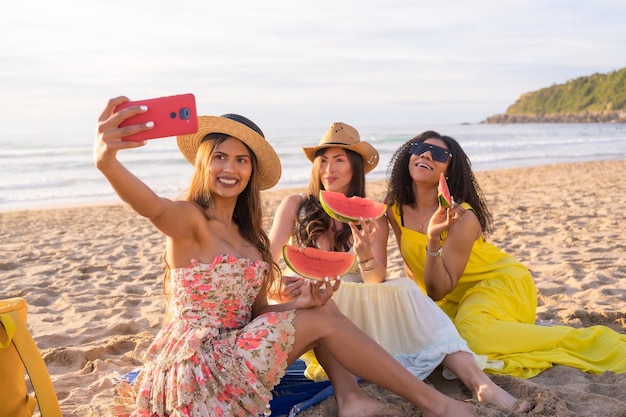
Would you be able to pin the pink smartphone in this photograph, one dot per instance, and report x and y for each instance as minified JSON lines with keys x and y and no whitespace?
{"x":172,"y":116}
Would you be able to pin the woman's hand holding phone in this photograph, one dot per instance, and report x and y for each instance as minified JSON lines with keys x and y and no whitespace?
{"x":158,"y":117}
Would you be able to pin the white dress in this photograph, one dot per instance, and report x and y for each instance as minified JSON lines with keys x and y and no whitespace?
{"x":402,"y":319}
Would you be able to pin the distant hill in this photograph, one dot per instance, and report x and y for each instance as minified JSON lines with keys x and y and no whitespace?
{"x":592,"y":99}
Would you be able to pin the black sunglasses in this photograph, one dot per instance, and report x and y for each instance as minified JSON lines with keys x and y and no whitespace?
{"x":438,"y":153}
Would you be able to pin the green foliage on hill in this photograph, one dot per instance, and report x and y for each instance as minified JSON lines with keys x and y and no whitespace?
{"x":594,"y":94}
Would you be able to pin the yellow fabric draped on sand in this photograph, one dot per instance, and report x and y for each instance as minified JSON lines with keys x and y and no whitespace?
{"x":494,"y":308}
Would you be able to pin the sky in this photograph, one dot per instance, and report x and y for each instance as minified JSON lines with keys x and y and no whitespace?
{"x":296,"y":63}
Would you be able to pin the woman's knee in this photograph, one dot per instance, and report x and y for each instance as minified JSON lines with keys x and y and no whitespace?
{"x":324,"y":317}
{"x":331,"y":316}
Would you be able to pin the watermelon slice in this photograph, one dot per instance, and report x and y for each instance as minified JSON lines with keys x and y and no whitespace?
{"x":317,"y":264}
{"x":445,"y":200}
{"x":350,"y":209}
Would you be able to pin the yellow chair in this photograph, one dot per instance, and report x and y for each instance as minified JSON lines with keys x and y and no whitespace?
{"x":18,"y":351}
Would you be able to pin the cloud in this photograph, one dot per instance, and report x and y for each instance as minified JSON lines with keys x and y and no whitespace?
{"x":392,"y":61}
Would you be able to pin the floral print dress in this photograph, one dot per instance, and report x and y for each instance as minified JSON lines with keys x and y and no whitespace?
{"x":211,"y":359}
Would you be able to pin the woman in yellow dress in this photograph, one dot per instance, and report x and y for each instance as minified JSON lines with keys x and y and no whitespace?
{"x":490,"y":296}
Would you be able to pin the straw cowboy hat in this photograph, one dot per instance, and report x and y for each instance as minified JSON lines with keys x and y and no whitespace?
{"x":238,"y":127}
{"x":342,"y":135}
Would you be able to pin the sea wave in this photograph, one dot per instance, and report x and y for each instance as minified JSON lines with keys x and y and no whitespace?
{"x":54,"y":172}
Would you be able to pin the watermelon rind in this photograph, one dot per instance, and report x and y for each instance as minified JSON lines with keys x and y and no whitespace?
{"x":445,"y":200}
{"x":320,"y":263}
{"x":379,"y":208}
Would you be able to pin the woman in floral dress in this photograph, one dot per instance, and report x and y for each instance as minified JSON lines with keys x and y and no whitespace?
{"x":225,"y":348}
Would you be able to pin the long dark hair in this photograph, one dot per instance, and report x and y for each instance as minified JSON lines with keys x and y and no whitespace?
{"x":312,"y":221}
{"x":461,"y":181}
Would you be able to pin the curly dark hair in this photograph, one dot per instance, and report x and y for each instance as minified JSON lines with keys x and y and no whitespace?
{"x":312,"y":221}
{"x":461,"y":181}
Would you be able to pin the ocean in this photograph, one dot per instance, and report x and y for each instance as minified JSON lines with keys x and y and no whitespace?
{"x":39,"y":172}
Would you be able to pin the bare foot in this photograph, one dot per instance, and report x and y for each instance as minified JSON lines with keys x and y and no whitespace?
{"x":493,"y":394}
{"x":451,"y":408}
{"x":366,"y":406}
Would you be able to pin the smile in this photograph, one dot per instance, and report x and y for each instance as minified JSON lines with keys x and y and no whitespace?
{"x":227,"y":181}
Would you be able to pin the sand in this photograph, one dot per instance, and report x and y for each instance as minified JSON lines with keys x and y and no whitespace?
{"x":92,"y":278}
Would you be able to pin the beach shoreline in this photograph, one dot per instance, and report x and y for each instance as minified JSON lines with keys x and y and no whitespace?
{"x":92,"y":277}
{"x":66,"y":175}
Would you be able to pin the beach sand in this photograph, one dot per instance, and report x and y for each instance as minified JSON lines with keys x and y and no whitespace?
{"x":92,"y":278}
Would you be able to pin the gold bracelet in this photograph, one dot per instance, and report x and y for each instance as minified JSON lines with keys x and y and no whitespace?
{"x":366,"y":261}
{"x":370,"y":268}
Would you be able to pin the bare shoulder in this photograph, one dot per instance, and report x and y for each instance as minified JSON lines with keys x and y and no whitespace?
{"x":190,"y":212}
{"x":188,"y":207}
{"x":292,"y":201}
{"x":467,"y":226}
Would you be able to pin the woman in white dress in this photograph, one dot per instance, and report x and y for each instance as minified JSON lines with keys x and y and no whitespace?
{"x":394,"y":312}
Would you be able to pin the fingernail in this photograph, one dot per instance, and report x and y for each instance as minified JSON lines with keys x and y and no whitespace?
{"x":143,"y":108}
{"x":150,"y":124}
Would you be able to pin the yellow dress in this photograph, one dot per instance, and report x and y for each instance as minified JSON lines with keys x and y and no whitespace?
{"x":494,"y":308}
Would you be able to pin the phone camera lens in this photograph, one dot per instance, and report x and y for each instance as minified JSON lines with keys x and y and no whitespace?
{"x":184,"y":113}
{"x":172,"y":115}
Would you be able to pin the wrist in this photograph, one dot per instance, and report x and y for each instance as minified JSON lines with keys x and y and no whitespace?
{"x":434,"y":253}
{"x":369,"y":268}
{"x":368,"y":265}
{"x":364,"y":259}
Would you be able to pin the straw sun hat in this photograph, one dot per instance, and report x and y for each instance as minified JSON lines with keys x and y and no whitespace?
{"x":238,"y":127}
{"x":342,"y":135}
